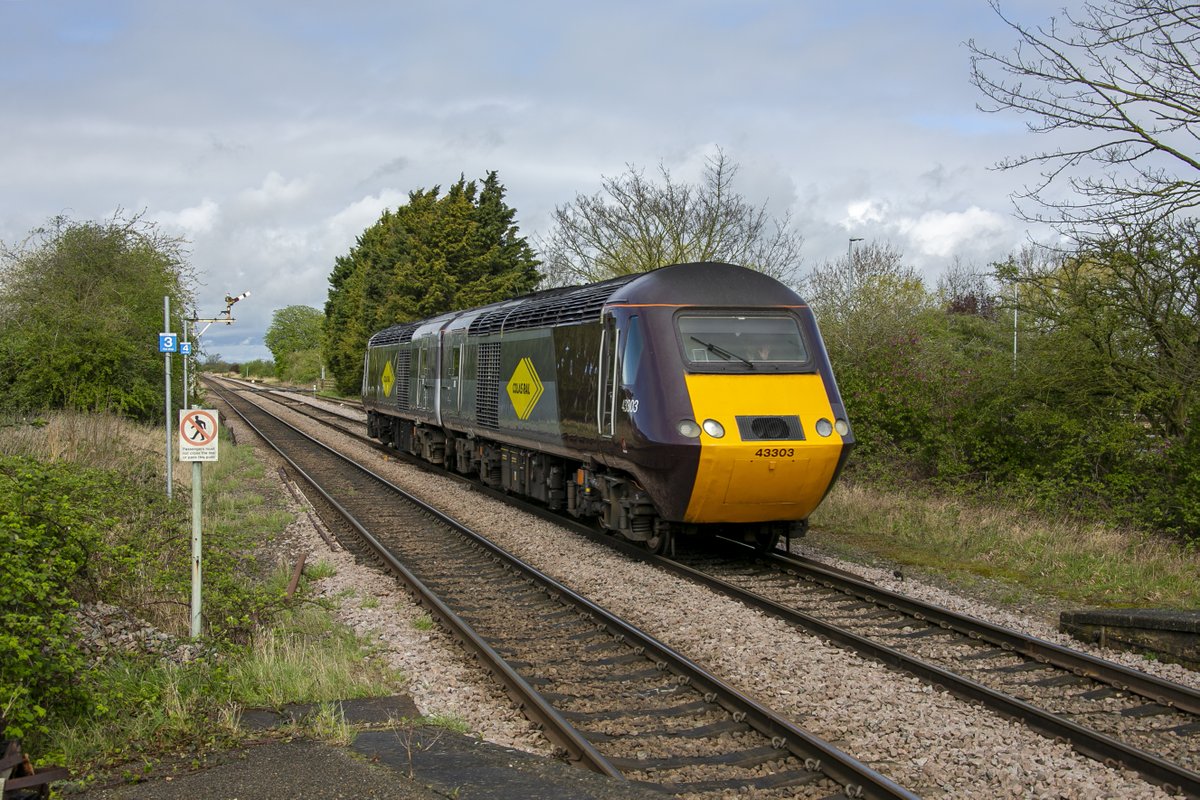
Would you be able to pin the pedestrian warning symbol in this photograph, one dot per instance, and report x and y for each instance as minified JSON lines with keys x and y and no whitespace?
{"x":197,"y":434}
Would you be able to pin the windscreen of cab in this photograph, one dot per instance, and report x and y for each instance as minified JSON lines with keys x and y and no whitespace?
{"x":742,"y":342}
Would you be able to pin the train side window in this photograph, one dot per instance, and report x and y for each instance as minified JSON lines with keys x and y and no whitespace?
{"x":454,"y":369}
{"x":631,"y":358}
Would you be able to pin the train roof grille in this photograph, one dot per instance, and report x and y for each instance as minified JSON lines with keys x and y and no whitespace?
{"x":549,"y":308}
{"x":397,"y":334}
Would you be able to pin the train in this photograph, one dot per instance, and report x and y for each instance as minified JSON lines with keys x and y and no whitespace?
{"x":692,"y":400}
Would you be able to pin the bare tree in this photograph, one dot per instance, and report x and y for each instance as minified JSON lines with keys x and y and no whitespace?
{"x":873,"y":282}
{"x":1126,"y":73}
{"x":963,"y":289}
{"x":635,"y":224}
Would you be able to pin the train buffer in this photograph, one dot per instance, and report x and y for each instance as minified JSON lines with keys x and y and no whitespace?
{"x":19,"y":779}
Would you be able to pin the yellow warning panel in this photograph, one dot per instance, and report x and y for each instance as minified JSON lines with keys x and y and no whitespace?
{"x":388,"y":378}
{"x":524,"y":388}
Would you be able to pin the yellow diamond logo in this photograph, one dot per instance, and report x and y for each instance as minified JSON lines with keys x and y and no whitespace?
{"x":524,"y":388}
{"x":388,"y":378}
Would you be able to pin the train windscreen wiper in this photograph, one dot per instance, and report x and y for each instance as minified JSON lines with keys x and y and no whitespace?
{"x":723,"y":353}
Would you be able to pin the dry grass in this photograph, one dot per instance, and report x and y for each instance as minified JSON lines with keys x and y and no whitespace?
{"x":105,"y":441}
{"x":1073,"y":561}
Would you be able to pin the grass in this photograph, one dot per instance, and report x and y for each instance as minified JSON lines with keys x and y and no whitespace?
{"x":1010,"y":549}
{"x":152,"y":709}
{"x":306,"y":657}
{"x":144,"y":709}
{"x":320,"y":570}
{"x":446,"y":721}
{"x":296,"y":653}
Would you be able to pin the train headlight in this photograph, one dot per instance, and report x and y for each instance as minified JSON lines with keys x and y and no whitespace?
{"x":713,"y":428}
{"x":842,"y":427}
{"x":688,"y":428}
{"x":824,"y":427}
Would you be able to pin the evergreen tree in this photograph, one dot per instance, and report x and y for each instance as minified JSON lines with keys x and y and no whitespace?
{"x":437,"y":253}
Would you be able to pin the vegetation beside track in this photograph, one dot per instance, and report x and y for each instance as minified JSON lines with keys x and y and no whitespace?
{"x":86,"y":520}
{"x":1013,"y":553}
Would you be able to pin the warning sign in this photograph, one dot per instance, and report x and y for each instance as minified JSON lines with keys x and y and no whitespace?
{"x":524,"y":388}
{"x":197,"y":434}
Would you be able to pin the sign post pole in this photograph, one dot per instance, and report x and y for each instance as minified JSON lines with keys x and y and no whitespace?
{"x":185,"y":349}
{"x":197,"y":442}
{"x":167,"y":344}
{"x":197,"y":576}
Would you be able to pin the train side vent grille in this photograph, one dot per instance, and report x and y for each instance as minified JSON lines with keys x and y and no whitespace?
{"x":403,"y":366}
{"x":487,"y":393}
{"x":776,"y":429}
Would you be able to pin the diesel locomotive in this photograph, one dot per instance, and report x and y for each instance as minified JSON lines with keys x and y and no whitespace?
{"x":693,"y":399}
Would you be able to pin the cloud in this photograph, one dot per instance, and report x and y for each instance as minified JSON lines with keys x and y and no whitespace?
{"x":865,"y":212}
{"x":274,"y":191}
{"x":856,"y":118}
{"x":352,"y":220}
{"x":193,"y":220}
{"x":944,"y":233}
{"x":393,"y":167}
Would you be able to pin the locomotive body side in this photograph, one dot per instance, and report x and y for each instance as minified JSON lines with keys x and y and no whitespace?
{"x":641,"y":401}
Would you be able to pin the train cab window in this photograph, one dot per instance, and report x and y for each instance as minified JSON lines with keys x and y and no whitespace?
{"x":741,"y":341}
{"x":632,"y":356}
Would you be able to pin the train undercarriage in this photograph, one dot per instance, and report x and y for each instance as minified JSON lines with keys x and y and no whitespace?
{"x":586,"y":491}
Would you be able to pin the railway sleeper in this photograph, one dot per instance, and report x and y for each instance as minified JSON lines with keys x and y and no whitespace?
{"x":742,"y":758}
{"x":777,"y":780}
{"x":681,"y":710}
{"x":718,"y":728}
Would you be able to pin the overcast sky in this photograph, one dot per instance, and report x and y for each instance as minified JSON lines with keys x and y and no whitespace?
{"x":271,"y":134}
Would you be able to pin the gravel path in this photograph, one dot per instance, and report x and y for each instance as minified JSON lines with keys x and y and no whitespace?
{"x":926,"y":740}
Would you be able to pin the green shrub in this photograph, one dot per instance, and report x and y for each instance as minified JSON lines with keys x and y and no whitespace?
{"x":50,"y":524}
{"x":258,"y":368}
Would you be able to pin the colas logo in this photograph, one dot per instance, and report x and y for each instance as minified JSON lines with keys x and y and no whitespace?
{"x":388,"y":378}
{"x":524,"y":388}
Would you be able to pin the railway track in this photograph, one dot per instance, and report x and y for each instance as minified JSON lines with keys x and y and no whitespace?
{"x":1109,"y":712}
{"x":608,"y":695}
{"x":1114,"y":714}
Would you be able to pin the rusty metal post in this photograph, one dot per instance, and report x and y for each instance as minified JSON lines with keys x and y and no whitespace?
{"x":296,"y":573}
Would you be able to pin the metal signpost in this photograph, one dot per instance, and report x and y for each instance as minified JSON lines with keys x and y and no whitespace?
{"x":168,"y":343}
{"x":197,"y":430}
{"x":185,"y":351}
{"x":197,"y":443}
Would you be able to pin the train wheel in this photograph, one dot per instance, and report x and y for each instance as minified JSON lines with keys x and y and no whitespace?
{"x":657,"y":543}
{"x":766,"y":541}
{"x":660,"y":540}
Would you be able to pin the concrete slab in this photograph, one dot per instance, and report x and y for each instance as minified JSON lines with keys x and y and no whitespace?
{"x":1169,"y":634}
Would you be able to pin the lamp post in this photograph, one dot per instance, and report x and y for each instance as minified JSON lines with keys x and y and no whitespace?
{"x":850,"y":247}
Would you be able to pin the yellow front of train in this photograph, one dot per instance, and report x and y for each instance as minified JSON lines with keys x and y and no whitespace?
{"x":770,"y":425}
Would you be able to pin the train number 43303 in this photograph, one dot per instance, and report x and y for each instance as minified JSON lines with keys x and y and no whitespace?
{"x":775,"y":452}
